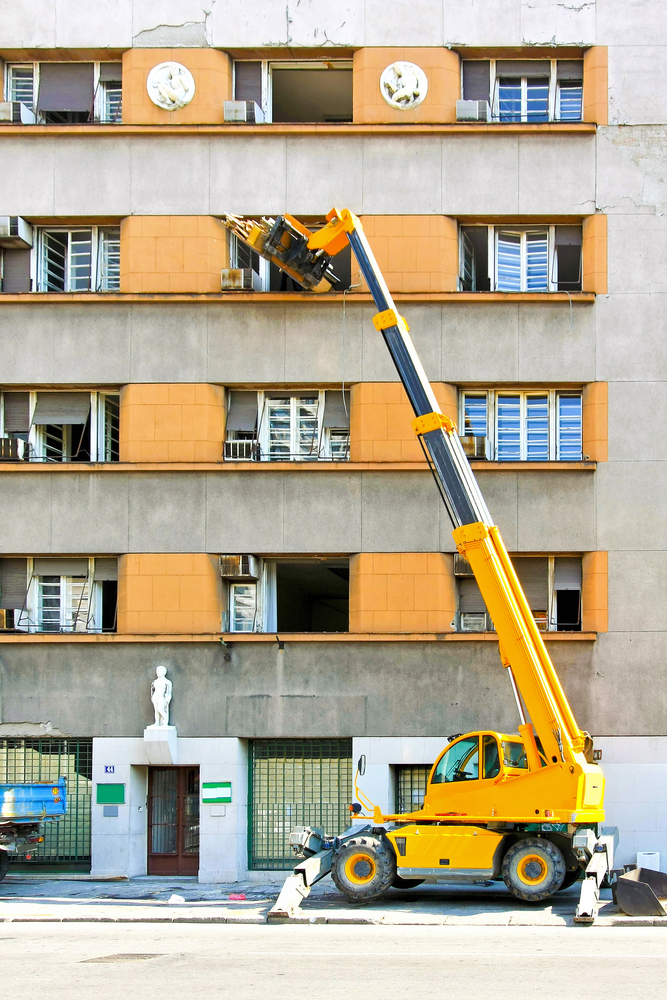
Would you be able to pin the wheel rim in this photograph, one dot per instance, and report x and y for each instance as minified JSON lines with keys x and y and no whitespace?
{"x":532,"y":869}
{"x":360,"y":869}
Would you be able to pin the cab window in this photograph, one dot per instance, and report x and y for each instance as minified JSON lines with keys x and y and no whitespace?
{"x":514,"y":754}
{"x":459,"y":763}
{"x":491,"y":757}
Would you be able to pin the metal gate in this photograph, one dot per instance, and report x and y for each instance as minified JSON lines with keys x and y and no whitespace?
{"x":66,"y":842}
{"x":295,"y":783}
{"x":411,"y":786}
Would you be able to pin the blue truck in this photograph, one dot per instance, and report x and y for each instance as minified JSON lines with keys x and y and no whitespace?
{"x":23,"y":807}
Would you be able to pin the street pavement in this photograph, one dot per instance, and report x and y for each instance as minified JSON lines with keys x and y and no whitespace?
{"x":31,"y":898}
{"x":108,"y":961}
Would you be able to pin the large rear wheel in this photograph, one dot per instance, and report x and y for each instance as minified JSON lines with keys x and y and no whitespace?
{"x":364,"y":868}
{"x":533,"y":869}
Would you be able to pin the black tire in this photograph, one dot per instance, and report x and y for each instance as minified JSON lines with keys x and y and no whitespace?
{"x":570,"y":878}
{"x":364,"y":868}
{"x":533,"y":869}
{"x":406,"y":883}
{"x":4,"y":864}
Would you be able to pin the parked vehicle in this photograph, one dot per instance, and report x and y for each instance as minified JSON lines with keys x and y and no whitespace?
{"x":23,"y":808}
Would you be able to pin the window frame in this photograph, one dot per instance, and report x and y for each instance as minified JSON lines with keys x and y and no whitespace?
{"x":98,"y":427}
{"x":554,"y":420}
{"x":264,"y":272}
{"x":9,"y":67}
{"x":87,"y":612}
{"x":97,"y":278}
{"x":553,"y":110}
{"x":269,"y":65}
{"x":100,"y":90}
{"x":495,"y":231}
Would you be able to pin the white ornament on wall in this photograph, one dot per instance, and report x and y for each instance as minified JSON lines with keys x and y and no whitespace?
{"x":403,"y":85}
{"x":170,"y":85}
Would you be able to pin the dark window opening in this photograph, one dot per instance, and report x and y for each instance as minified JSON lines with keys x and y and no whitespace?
{"x":568,"y":611}
{"x":475,"y":259}
{"x":411,"y":781}
{"x":56,"y":447}
{"x":311,"y":95}
{"x":109,"y":605}
{"x":313,"y":596}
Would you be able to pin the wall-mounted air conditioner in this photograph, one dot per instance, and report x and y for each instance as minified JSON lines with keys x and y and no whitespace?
{"x":473,"y":111}
{"x":475,"y":447}
{"x":240,"y":279}
{"x":15,"y":232}
{"x":9,"y":449}
{"x":475,"y":621}
{"x":16,"y":111}
{"x":243,"y":111}
{"x":239,"y":567}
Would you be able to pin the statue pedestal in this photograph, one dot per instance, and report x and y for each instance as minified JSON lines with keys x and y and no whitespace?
{"x":161,"y":744}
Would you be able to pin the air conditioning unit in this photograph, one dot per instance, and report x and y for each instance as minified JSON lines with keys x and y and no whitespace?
{"x":9,"y":450}
{"x":240,"y":279}
{"x":16,"y":111}
{"x":15,"y":232}
{"x":475,"y":447}
{"x":461,"y":566}
{"x":243,"y":111}
{"x":473,"y":111}
{"x":239,"y":567}
{"x":475,"y":621}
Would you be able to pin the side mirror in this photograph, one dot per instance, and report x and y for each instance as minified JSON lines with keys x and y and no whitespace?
{"x":361,"y":765}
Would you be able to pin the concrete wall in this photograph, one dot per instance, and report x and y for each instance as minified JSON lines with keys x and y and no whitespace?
{"x":295,"y":511}
{"x":324,"y":688}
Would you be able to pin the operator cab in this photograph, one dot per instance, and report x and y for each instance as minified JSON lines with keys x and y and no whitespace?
{"x":469,"y":766}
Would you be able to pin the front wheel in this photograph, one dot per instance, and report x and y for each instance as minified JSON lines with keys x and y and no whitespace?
{"x":364,"y":868}
{"x":4,"y":864}
{"x":533,"y":869}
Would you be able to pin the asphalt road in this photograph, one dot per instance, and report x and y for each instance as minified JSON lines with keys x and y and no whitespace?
{"x":331,"y":962}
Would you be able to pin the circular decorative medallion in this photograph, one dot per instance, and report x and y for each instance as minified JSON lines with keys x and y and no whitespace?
{"x":403,"y":85}
{"x":170,"y":85}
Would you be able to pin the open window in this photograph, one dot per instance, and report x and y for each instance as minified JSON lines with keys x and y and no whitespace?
{"x":78,"y":260}
{"x":288,"y":426}
{"x":305,"y":91}
{"x":509,"y":258}
{"x":511,"y":425}
{"x":527,"y":90}
{"x":286,"y":595}
{"x":60,"y":426}
{"x":552,"y":585}
{"x":56,"y":93}
{"x":59,"y":594}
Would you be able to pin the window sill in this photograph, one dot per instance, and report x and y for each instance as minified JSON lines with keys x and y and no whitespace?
{"x":299,"y":128}
{"x":576,"y":298}
{"x":47,"y":468}
{"x":265,"y":637}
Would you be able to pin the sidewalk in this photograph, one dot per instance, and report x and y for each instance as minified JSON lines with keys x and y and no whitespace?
{"x":184,"y":900}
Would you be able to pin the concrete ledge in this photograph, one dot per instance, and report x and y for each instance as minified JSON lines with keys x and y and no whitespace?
{"x":49,"y":468}
{"x":270,"y":637}
{"x":574,"y":298}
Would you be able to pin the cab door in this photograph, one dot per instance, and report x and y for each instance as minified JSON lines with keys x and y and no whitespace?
{"x":463,"y":779}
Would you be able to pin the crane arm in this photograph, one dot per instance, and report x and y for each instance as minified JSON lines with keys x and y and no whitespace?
{"x":306,"y":256}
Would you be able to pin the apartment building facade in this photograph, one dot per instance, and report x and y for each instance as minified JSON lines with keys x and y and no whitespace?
{"x":207,"y":468}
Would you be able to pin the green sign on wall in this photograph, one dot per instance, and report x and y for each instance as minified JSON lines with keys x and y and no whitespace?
{"x":110,"y":795}
{"x":216,"y":792}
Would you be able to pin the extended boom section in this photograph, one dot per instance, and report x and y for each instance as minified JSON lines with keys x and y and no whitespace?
{"x":525,"y":808}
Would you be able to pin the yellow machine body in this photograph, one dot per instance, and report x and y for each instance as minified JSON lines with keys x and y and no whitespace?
{"x":446,"y":852}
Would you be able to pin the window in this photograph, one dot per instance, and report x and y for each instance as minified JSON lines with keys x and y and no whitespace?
{"x":552,"y":585}
{"x":307,"y":91}
{"x":295,"y":783}
{"x":288,"y":427}
{"x":109,"y":93}
{"x":537,"y":425}
{"x":65,"y":93}
{"x":288,"y":595}
{"x":411,"y":781}
{"x":20,"y":83}
{"x":78,"y":260}
{"x":60,"y":594}
{"x":520,"y":259}
{"x":61,"y":426}
{"x":243,"y":256}
{"x":529,"y":90}
{"x":459,"y":763}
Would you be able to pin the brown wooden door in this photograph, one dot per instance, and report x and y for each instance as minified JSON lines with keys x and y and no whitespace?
{"x":173,"y":820}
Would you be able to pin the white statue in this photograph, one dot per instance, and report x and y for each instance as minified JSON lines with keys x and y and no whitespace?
{"x":170,"y":85}
{"x":403,"y":85}
{"x":161,"y":689}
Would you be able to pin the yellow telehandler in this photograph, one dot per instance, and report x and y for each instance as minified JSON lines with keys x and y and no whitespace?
{"x":526,"y":807}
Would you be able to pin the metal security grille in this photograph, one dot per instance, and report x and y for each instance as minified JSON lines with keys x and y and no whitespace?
{"x":26,"y":760}
{"x":411,"y":787}
{"x":295,"y":783}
